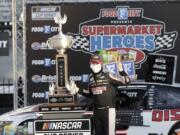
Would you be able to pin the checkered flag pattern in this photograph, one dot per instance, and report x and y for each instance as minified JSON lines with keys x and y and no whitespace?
{"x":165,"y":41}
{"x":80,"y":43}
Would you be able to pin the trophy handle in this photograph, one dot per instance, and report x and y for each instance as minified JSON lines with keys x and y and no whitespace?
{"x":48,"y":42}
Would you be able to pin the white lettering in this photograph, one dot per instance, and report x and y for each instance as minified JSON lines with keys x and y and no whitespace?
{"x":37,"y":29}
{"x":38,"y":95}
{"x":49,"y":78}
{"x":46,"y":61}
{"x":160,"y":60}
{"x":75,"y":78}
{"x":162,"y":66}
{"x":65,"y":125}
{"x":54,"y":29}
{"x":3,"y":44}
{"x":159,"y":72}
{"x":132,"y":94}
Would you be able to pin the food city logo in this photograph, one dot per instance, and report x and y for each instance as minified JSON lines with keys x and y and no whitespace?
{"x":40,"y":46}
{"x":124,"y":29}
{"x":46,"y":29}
{"x":43,"y":78}
{"x":40,"y":95}
{"x":46,"y":62}
{"x":81,"y":78}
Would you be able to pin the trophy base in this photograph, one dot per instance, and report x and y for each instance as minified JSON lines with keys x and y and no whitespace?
{"x":58,"y":107}
{"x":61,"y":96}
{"x":61,"y":99}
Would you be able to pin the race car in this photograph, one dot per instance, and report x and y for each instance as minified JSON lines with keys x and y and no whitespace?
{"x":142,"y":109}
{"x":148,"y":110}
{"x":25,"y":121}
{"x":19,"y":121}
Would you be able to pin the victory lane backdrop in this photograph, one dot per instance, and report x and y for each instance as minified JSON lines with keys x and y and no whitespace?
{"x":160,"y":17}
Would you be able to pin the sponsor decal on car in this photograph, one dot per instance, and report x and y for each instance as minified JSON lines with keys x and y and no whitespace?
{"x":166,"y":115}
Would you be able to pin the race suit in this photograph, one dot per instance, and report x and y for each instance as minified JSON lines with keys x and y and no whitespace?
{"x":102,"y":91}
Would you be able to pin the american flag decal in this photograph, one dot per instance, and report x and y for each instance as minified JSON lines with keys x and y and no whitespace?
{"x":165,"y":42}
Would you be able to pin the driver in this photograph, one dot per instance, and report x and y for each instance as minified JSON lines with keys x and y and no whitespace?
{"x":101,"y":90}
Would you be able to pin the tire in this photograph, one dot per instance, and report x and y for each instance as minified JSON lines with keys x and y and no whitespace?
{"x":175,"y":130}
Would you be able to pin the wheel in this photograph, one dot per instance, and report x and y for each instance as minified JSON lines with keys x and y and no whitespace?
{"x":122,"y":100}
{"x":175,"y":130}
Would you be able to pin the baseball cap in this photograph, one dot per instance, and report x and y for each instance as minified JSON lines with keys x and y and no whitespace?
{"x":95,"y":59}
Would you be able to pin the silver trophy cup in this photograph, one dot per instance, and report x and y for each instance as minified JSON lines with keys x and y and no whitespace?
{"x":61,"y":43}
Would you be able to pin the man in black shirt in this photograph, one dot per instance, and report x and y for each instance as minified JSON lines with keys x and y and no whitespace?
{"x":101,"y":90}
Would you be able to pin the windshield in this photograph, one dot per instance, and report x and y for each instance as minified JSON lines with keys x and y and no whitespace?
{"x":167,"y":97}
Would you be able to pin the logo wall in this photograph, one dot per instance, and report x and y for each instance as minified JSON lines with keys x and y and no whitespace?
{"x":40,"y":56}
{"x":124,"y":29}
{"x":118,"y":28}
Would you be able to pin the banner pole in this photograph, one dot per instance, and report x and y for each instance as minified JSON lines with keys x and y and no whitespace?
{"x":24,"y":53}
{"x":14,"y":51}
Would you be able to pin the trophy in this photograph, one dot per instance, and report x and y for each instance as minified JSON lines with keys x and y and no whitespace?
{"x":61,"y":42}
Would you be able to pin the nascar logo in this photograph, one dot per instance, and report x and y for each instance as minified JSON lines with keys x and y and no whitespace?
{"x":62,"y":125}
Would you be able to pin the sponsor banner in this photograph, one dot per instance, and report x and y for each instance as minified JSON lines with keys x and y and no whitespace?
{"x":160,"y":69}
{"x":4,"y":44}
{"x":61,"y":127}
{"x":117,"y":28}
{"x":132,"y":28}
{"x":44,"y":12}
{"x":6,"y":13}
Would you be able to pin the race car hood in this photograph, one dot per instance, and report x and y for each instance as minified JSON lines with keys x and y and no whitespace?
{"x":9,"y":116}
